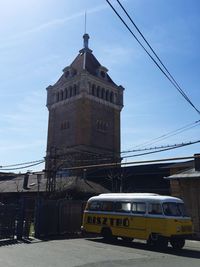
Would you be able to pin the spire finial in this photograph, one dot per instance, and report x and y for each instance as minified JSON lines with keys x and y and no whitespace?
{"x":85,"y":21}
{"x":85,"y":38}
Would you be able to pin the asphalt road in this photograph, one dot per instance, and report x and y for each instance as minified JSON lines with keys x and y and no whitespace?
{"x":95,"y":253}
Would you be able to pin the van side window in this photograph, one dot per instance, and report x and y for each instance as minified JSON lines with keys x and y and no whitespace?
{"x":122,"y":206}
{"x":94,"y":205}
{"x":107,"y":206}
{"x":155,"y":208}
{"x":138,"y":208}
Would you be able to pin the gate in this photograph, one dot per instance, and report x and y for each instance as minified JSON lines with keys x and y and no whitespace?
{"x":16,"y":219}
{"x":70,"y":216}
{"x":8,"y":221}
{"x":58,"y":217}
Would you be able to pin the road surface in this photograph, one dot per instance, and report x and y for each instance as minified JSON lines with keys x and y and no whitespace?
{"x":93,"y":252}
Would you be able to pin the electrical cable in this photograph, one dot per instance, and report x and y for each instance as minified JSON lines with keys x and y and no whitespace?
{"x":24,"y":167}
{"x":164,"y":149}
{"x":18,"y":164}
{"x":168,"y":76}
{"x":167,"y":135}
{"x":155,"y":53}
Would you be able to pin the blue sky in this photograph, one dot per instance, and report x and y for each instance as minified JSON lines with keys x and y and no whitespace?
{"x":39,"y":38}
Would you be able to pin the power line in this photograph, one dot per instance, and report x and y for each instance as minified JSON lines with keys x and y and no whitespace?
{"x":167,"y":75}
{"x":167,"y":135}
{"x":127,"y":163}
{"x":156,"y":150}
{"x":156,"y":55}
{"x":23,"y":163}
{"x":163,"y":149}
{"x":24,"y":167}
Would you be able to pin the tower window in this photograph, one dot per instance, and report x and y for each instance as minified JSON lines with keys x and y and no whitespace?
{"x":93,"y":89}
{"x":103,"y":93}
{"x":111,"y":97}
{"x":61,"y":95}
{"x":64,"y":125}
{"x":66,"y":93}
{"x":103,"y":75}
{"x":74,"y":72}
{"x":67,"y":74}
{"x":107,"y":95}
{"x":57,"y":97}
{"x":98,"y":91}
{"x":101,"y":126}
{"x":75,"y":90}
{"x":70,"y":91}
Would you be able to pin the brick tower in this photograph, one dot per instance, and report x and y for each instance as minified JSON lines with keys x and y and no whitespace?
{"x":84,"y":114}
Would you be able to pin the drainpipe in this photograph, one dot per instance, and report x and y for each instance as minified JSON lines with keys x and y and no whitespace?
{"x":197,"y":162}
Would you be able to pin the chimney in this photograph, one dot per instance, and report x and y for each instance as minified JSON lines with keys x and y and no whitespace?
{"x":25,"y":183}
{"x":197,"y":162}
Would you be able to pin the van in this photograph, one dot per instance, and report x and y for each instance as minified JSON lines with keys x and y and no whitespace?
{"x":155,"y":218}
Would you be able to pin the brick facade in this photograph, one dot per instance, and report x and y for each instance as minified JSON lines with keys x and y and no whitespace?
{"x":84,"y":114}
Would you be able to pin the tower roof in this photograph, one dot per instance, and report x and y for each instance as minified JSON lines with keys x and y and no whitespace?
{"x":86,"y":60}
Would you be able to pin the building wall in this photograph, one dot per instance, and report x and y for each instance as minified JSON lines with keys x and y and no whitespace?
{"x":189,"y":191}
{"x":84,"y":120}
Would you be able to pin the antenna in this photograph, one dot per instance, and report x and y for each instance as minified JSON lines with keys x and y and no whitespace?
{"x":85,"y":21}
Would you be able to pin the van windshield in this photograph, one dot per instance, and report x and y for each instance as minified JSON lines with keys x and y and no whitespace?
{"x":174,"y":209}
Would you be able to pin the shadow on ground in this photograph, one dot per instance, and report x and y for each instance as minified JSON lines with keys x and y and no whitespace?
{"x":11,"y":242}
{"x":185,"y":252}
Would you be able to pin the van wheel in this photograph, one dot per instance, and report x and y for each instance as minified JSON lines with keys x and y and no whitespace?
{"x":156,"y":241}
{"x":162,"y":242}
{"x":127,"y":239}
{"x":107,"y":234}
{"x":177,"y":243}
{"x":151,"y":242}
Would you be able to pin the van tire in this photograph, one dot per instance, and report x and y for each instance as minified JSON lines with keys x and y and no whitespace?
{"x":177,"y":243}
{"x":162,"y":242}
{"x":157,"y":241}
{"x":107,"y":234}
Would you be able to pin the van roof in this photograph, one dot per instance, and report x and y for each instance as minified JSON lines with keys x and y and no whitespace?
{"x":135,"y":196}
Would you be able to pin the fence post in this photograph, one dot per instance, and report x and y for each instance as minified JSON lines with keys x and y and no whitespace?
{"x":37,"y":217}
{"x":20,"y":221}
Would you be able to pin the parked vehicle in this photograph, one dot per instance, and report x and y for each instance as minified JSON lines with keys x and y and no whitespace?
{"x":155,"y":218}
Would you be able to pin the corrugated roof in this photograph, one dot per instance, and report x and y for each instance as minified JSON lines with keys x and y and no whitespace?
{"x":72,"y":184}
{"x":15,"y":184}
{"x":188,"y":174}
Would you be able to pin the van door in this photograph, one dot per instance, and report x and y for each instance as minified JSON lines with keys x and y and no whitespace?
{"x":138,"y":220}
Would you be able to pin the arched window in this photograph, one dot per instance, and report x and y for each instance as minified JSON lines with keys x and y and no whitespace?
{"x":70,"y":91}
{"x":89,"y":85}
{"x":93,"y":89}
{"x":111,"y":97}
{"x":103,"y":75}
{"x":66,"y":93}
{"x":75,"y":90}
{"x":103,"y":93}
{"x":98,"y":91}
{"x":57,"y":97}
{"x":67,"y":73}
{"x":107,"y":95}
{"x":116,"y":99}
{"x":61,"y":95}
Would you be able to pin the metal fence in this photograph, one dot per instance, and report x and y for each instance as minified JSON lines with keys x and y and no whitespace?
{"x":58,"y":217}
{"x":8,"y":221}
{"x":47,"y":217}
